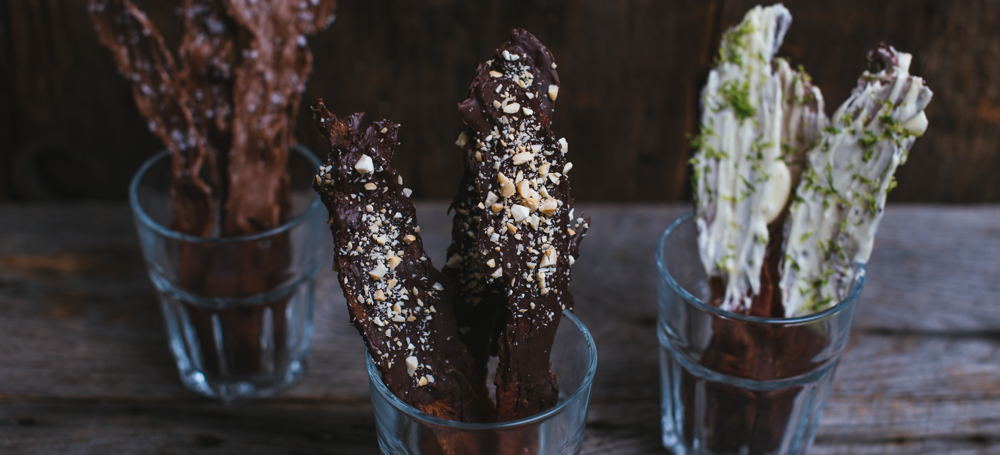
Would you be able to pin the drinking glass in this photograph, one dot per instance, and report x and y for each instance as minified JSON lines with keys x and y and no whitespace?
{"x":735,"y":384}
{"x":238,"y":310}
{"x":403,"y":429}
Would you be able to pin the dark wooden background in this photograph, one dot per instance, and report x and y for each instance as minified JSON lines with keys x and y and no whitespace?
{"x":631,"y":72}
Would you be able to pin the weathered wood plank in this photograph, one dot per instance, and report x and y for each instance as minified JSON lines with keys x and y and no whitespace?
{"x":82,"y":343}
{"x":183,"y":427}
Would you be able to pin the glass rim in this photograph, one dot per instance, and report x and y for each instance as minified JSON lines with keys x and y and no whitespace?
{"x":375,"y":378}
{"x":142,"y":217}
{"x":852,"y":295}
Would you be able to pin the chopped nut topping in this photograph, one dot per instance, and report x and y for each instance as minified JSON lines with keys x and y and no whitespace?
{"x":393,"y":262}
{"x":384,"y":129}
{"x":524,"y":188}
{"x":370,"y":186}
{"x":553,"y":90}
{"x":543,"y":169}
{"x":379,"y":295}
{"x":462,"y":139}
{"x":511,"y":108}
{"x":497,"y":208}
{"x":496,"y":104}
{"x":491,"y":198}
{"x":491,"y":263}
{"x":422,"y":382}
{"x":563,"y":145}
{"x":506,"y":186}
{"x":497,"y":273}
{"x":530,"y":202}
{"x":496,"y":74}
{"x":527,"y":111}
{"x":438,"y":287}
{"x":409,"y":238}
{"x":365,"y":165}
{"x":378,"y":272}
{"x":411,"y":365}
{"x":454,"y":261}
{"x":381,"y":239}
{"x":511,"y":228}
{"x":407,"y":192}
{"x":567,"y":167}
{"x":549,"y":258}
{"x":519,"y":212}
{"x":522,"y":158}
{"x":533,"y":220}
{"x":549,"y":206}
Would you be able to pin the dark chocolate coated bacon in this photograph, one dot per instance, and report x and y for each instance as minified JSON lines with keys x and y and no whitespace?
{"x":479,"y":306}
{"x":398,"y":301}
{"x":527,"y":238}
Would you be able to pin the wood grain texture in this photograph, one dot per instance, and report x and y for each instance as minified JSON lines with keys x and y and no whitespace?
{"x":84,"y":366}
{"x":631,"y":73}
{"x":7,"y":118}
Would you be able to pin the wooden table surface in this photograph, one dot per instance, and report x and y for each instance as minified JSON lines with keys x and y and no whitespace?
{"x":84,"y":365}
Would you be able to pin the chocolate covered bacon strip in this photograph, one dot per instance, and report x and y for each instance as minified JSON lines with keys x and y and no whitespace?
{"x":397,"y":300}
{"x":528,"y":238}
{"x":741,"y":183}
{"x":842,"y":194}
{"x":480,"y":306}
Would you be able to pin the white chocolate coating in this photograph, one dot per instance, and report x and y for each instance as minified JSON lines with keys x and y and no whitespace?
{"x":740,"y":155}
{"x":839,"y":202}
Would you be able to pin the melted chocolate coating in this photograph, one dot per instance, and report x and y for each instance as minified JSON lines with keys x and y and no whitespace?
{"x":479,"y":306}
{"x":527,"y":237}
{"x":397,"y":300}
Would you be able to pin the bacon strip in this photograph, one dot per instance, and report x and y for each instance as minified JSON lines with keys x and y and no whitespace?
{"x":398,"y":301}
{"x":144,"y":60}
{"x":528,"y":238}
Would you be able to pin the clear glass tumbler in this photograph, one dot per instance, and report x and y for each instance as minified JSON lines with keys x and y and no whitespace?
{"x":734,"y":384}
{"x":238,"y":310}
{"x":404,"y":430}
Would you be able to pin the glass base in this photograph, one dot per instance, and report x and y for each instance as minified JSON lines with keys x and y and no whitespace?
{"x":239,"y":351}
{"x":233,"y":389}
{"x":704,"y":412}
